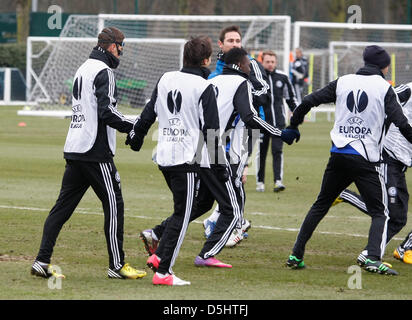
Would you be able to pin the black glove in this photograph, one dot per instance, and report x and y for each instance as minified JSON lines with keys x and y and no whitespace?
{"x":134,"y":140}
{"x":289,"y":134}
{"x":221,"y":172}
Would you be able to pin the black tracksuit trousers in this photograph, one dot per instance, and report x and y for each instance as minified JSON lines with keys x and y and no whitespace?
{"x":398,"y":196}
{"x":341,"y":171}
{"x":105,"y":181}
{"x":183,"y":187}
{"x":277,"y":153}
{"x":209,"y":190}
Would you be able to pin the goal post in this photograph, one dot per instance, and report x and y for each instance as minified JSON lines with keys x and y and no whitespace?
{"x":53,"y":61}
{"x":258,"y":32}
{"x":302,"y":25}
{"x":314,"y":37}
{"x":346,"y":57}
{"x":153,"y":45}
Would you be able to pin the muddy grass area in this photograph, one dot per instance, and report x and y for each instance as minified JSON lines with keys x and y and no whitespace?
{"x":10,"y":257}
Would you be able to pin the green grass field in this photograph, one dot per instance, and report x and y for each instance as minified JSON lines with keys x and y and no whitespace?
{"x":31,"y":168}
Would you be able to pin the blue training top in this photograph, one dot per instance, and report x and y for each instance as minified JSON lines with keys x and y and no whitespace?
{"x":346,"y":149}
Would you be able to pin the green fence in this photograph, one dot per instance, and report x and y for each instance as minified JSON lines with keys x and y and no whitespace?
{"x":8,"y":27}
{"x":38,"y":25}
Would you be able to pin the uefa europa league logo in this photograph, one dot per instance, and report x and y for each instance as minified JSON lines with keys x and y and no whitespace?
{"x":358,"y":103}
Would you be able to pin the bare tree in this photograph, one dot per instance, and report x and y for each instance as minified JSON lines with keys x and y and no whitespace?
{"x":23,"y":20}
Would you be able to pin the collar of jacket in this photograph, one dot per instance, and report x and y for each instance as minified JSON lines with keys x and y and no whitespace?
{"x":370,"y":70}
{"x":270,"y":72}
{"x":220,"y":56}
{"x":199,"y":71}
{"x":99,"y":53}
{"x":234,"y":69}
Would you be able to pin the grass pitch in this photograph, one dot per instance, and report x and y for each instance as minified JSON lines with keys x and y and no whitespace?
{"x":31,"y":168}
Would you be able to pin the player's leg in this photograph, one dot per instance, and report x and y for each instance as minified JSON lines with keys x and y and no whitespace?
{"x":210,"y":222}
{"x":73,"y":187}
{"x":335,"y":179}
{"x":105,"y":181}
{"x":407,"y":242}
{"x":261,"y":161}
{"x":299,"y":93}
{"x":182,"y":185}
{"x":404,"y":251}
{"x":228,"y":197}
{"x":370,"y":182}
{"x":353,"y":199}
{"x":151,"y":237}
{"x":204,"y":202}
{"x":240,"y":232}
{"x":277,"y":153}
{"x":398,"y":197}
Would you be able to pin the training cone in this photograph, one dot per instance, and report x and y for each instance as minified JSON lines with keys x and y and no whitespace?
{"x":22,"y":124}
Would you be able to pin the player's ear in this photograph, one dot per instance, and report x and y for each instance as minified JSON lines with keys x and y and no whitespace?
{"x":220,"y":44}
{"x":110,"y":48}
{"x":206,"y":62}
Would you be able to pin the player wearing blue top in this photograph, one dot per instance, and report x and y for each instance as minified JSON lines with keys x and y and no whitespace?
{"x":231,"y":37}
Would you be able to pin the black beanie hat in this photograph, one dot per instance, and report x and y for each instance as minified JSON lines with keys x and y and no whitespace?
{"x":377,"y":56}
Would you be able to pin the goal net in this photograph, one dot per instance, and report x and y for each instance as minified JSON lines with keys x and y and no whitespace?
{"x":153,"y":45}
{"x":315,"y":38}
{"x":346,"y":57}
{"x":52,"y":63}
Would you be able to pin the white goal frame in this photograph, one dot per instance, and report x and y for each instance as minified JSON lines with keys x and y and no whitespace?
{"x":206,"y":18}
{"x":30,"y":74}
{"x":349,"y":44}
{"x":298,"y":25}
{"x":95,"y":23}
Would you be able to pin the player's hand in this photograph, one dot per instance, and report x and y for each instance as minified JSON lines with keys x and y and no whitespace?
{"x":244,"y":175}
{"x":290,"y":134}
{"x":134,"y":141}
{"x":129,"y":137}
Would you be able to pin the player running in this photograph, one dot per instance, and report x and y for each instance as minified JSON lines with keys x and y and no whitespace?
{"x":234,"y":97}
{"x":397,"y":157}
{"x":365,"y":103}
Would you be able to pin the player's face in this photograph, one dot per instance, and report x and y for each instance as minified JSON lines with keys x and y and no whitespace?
{"x":115,"y":49}
{"x":269,"y":62}
{"x":245,"y":65}
{"x":232,"y":40}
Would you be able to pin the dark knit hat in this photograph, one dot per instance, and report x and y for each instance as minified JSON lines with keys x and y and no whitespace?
{"x":377,"y":56}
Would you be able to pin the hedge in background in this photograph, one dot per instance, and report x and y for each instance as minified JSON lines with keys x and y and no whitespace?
{"x":13,"y":55}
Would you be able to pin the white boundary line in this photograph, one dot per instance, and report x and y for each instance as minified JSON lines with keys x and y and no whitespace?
{"x":82,"y":211}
